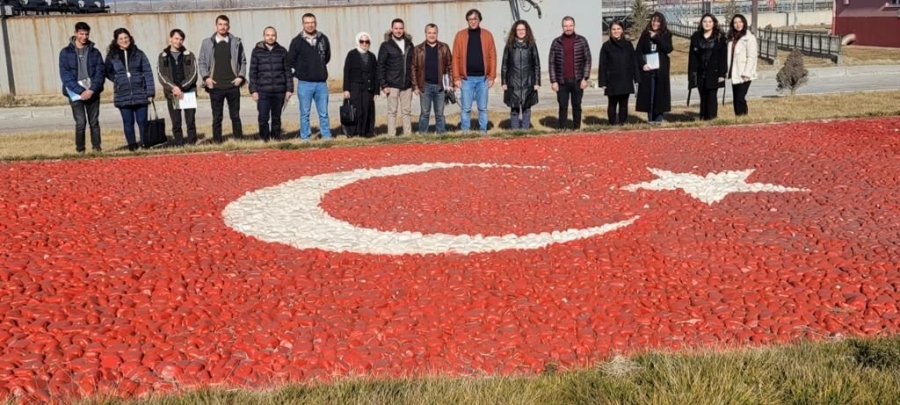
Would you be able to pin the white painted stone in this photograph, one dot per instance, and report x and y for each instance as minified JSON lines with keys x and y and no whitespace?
{"x":712,"y":188}
{"x":290,"y":213}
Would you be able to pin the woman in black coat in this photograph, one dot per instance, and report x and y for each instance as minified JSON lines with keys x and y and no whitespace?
{"x":618,"y":72}
{"x":654,"y":94}
{"x":707,"y":64}
{"x":361,"y":86}
{"x":129,"y":70}
{"x":520,"y":74}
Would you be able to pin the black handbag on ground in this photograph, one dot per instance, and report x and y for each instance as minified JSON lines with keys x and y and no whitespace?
{"x":348,"y":113}
{"x":156,"y":130}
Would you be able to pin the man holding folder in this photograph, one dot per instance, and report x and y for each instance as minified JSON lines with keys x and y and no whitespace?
{"x":177,"y":71}
{"x":82,"y":73}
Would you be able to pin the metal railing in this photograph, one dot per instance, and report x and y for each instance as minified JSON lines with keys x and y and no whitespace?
{"x":810,"y":43}
{"x":768,"y":49}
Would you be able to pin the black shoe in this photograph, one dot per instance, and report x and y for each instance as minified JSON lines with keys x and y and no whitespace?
{"x":132,"y":147}
{"x":98,"y":150}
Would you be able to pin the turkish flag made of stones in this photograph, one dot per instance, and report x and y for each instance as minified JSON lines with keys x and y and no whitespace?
{"x":131,"y":275}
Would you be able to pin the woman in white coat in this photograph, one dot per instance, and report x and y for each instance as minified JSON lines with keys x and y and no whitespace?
{"x":742,"y":56}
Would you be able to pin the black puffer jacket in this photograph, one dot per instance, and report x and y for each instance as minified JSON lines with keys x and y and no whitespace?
{"x":394,"y":64}
{"x":130,"y":72}
{"x":619,"y":67}
{"x":269,"y":70}
{"x":520,"y":72}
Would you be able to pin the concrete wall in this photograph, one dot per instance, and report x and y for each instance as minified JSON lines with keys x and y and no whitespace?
{"x":35,"y":41}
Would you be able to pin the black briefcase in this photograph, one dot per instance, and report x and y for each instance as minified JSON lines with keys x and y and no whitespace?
{"x":156,"y":131}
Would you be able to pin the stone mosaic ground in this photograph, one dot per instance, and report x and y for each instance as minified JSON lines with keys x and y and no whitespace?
{"x":153,"y":274}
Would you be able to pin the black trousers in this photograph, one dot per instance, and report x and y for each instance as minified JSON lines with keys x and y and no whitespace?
{"x":269,"y":106}
{"x":189,"y":120}
{"x":86,"y":112}
{"x":709,"y":109}
{"x":217,"y":98}
{"x":740,"y":98}
{"x":617,"y":109}
{"x":569,"y":89}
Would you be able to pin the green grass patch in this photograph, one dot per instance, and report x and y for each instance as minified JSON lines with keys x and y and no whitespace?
{"x":855,"y":371}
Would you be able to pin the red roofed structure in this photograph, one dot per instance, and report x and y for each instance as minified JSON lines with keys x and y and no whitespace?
{"x":871,"y":22}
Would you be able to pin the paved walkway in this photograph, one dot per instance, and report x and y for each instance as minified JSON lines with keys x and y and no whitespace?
{"x":822,"y":80}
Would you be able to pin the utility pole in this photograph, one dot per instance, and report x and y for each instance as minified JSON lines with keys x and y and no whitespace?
{"x":754,"y":15}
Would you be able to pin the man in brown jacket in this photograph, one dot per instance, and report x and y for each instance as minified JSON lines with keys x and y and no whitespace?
{"x":474,"y":69}
{"x":431,"y":62}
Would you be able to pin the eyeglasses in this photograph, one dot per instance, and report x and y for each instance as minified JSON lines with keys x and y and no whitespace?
{"x":363,"y":41}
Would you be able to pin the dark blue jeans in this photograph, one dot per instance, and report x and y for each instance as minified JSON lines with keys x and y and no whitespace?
{"x":86,"y":112}
{"x":130,"y":115}
{"x":432,"y":96}
{"x":269,"y":105}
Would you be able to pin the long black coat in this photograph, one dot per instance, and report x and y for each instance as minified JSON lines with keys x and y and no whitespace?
{"x":269,"y":70}
{"x":520,"y":72}
{"x":618,"y":67}
{"x":707,"y":77}
{"x":662,"y":101}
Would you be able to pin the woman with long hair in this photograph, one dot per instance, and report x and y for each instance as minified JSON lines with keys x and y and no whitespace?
{"x":129,"y":70}
{"x":743,"y":51}
{"x":618,"y":72}
{"x":520,"y":74}
{"x":654,"y":95}
{"x":361,"y":86}
{"x":707,"y":64}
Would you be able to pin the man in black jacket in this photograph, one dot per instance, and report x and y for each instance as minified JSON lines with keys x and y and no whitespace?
{"x":395,"y":75}
{"x":82,"y":72}
{"x":271,"y":82}
{"x":309,"y":55}
{"x":570,"y":69}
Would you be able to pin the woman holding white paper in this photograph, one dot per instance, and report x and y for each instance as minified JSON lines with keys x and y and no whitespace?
{"x":177,"y":69}
{"x":654,"y":95}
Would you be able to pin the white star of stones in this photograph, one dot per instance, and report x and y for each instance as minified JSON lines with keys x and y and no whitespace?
{"x":712,"y":188}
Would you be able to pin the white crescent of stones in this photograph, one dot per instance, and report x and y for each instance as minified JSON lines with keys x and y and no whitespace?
{"x":290,"y":213}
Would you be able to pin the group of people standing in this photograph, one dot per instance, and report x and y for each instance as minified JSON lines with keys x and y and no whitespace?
{"x":220,"y":68}
{"x":433,"y":70}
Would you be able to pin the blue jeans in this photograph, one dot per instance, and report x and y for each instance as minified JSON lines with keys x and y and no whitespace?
{"x":432,"y":95}
{"x":308,"y":92}
{"x":130,"y":115}
{"x":474,"y":88}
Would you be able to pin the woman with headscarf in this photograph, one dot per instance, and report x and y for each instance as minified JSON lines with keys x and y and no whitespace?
{"x":361,"y":86}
